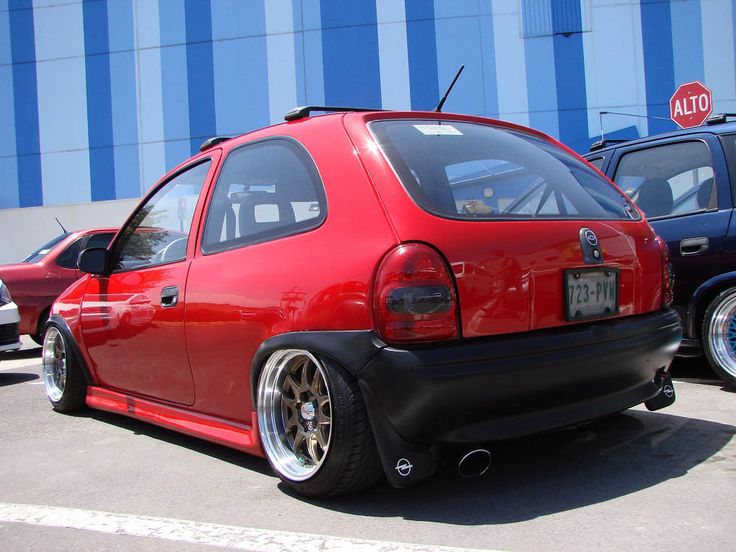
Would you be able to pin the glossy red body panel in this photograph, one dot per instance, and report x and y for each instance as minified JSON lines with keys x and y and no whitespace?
{"x":35,"y":286}
{"x":199,"y":355}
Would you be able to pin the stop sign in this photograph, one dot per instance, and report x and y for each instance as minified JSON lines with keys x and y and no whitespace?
{"x":691,"y":104}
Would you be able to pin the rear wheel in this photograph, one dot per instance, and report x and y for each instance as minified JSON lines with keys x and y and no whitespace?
{"x":62,"y":376}
{"x":313,"y":425}
{"x":41,"y":327}
{"x":719,"y":335}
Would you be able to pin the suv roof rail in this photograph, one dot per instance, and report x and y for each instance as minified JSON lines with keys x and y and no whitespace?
{"x":719,"y":118}
{"x":207,"y":144}
{"x":303,"y":111}
{"x":600,"y":144}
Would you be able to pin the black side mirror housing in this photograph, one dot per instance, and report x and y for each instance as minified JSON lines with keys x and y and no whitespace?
{"x":94,"y":260}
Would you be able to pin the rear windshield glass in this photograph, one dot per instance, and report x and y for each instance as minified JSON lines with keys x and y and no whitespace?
{"x":41,"y":252}
{"x":474,"y":171}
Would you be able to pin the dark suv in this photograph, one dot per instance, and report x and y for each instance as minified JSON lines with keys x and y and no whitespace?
{"x":685,"y":182}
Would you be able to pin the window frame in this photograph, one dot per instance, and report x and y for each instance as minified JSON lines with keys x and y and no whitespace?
{"x":114,"y":247}
{"x":626,"y":151}
{"x":301,"y":227}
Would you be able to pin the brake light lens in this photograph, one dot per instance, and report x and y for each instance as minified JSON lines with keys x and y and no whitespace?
{"x":414,"y":296}
{"x":668,"y":277}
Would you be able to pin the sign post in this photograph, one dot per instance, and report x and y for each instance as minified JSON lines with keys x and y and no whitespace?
{"x":691,"y":104}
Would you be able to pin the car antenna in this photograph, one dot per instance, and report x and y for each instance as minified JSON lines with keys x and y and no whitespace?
{"x":66,"y":232}
{"x":449,"y":88}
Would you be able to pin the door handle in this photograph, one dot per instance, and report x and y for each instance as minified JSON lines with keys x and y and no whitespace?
{"x":693,"y":246}
{"x":169,"y":296}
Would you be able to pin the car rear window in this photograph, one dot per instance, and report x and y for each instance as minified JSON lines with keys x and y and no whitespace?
{"x":474,"y":171}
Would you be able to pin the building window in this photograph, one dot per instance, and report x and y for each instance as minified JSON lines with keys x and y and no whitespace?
{"x":553,"y":17}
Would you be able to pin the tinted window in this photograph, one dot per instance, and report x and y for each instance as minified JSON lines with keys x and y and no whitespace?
{"x":672,"y":179}
{"x":158,"y":233}
{"x":474,"y":171}
{"x":597,"y":162}
{"x":265,"y":191}
{"x":68,"y":257}
{"x":99,"y":240}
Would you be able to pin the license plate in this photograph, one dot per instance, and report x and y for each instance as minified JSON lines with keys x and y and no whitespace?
{"x":591,"y":293}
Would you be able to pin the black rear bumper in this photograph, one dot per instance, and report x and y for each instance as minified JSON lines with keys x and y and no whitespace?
{"x":420,"y":398}
{"x":509,"y":386}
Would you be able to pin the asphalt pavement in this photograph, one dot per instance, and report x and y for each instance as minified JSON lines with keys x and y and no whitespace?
{"x":634,"y":481}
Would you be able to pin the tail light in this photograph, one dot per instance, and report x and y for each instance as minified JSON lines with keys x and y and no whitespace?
{"x":668,"y":277}
{"x":414,"y":296}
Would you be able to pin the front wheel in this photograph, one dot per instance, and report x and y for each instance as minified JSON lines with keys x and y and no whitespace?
{"x":313,"y":425}
{"x":62,"y":376}
{"x":719,"y":335}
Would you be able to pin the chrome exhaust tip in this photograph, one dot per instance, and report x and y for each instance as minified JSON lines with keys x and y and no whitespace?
{"x":475,"y":463}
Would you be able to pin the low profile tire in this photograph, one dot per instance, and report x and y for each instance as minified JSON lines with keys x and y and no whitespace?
{"x":62,"y":377}
{"x":314,"y":427}
{"x":719,"y":335}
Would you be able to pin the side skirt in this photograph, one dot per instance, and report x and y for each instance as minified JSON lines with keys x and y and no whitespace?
{"x":216,"y":430}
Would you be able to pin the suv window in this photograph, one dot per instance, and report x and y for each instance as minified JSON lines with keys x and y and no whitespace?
{"x":158,"y":232}
{"x":466,"y":170}
{"x":673,"y":179}
{"x":266,"y":190}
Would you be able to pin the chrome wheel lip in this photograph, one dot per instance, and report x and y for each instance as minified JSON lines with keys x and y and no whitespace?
{"x":54,"y":364}
{"x":271,"y":424}
{"x":722,"y":335}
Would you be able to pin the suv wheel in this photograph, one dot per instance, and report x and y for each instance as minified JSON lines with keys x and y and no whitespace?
{"x":719,"y":334}
{"x":313,"y":425}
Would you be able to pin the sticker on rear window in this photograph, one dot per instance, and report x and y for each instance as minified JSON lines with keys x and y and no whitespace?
{"x":438,"y":130}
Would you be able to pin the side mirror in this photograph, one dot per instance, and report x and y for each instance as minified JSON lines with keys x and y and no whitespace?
{"x":94,"y":260}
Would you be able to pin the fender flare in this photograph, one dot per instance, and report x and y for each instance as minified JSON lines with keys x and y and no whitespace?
{"x":60,"y":324}
{"x":352,"y":349}
{"x":697,"y":305}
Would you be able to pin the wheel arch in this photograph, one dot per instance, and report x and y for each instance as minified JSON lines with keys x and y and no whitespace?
{"x":352,"y":349}
{"x":701,"y":298}
{"x":59,"y":323}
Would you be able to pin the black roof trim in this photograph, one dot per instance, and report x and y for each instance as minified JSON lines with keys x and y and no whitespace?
{"x":600,"y":144}
{"x":207,"y":144}
{"x":304,"y":111}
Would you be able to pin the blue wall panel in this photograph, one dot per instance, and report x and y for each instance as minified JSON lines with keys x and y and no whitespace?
{"x":99,"y":101}
{"x":659,"y":68}
{"x":25,"y":100}
{"x":350,"y":54}
{"x":422,"y":46}
{"x":200,"y":74}
{"x":687,"y":41}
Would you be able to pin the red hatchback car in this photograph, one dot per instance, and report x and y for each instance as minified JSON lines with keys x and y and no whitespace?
{"x":38,"y":280}
{"x":350,"y":294}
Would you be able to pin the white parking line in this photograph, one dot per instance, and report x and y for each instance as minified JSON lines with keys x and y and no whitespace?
{"x":226,"y":536}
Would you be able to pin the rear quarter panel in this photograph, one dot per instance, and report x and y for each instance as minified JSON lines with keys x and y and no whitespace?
{"x":317,"y":280}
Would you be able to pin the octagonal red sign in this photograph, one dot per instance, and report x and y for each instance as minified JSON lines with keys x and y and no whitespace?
{"x":691,"y":104}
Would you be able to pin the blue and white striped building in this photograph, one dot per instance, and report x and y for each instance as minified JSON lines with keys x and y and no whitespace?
{"x":98,"y":98}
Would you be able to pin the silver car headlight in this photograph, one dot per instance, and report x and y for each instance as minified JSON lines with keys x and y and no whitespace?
{"x":5,"y":297}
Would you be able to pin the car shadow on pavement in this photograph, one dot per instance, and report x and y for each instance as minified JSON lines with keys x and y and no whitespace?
{"x":33,"y":352}
{"x":200,"y":446}
{"x":14,"y":378}
{"x":553,"y":472}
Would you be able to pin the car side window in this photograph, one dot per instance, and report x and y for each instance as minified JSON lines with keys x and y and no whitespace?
{"x":266,"y":190}
{"x":159,"y":231}
{"x":99,"y":240}
{"x":68,"y":257}
{"x":669,"y":180}
{"x":597,"y":162}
